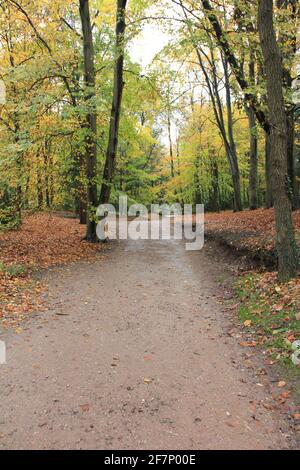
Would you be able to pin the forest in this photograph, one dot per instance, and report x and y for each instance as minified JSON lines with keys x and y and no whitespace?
{"x":174,"y":101}
{"x":212,"y":119}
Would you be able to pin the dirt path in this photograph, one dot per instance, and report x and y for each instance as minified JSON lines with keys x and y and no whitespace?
{"x":142,"y":360}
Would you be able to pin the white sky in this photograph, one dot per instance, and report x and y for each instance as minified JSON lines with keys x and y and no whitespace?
{"x":148,"y":44}
{"x":145,"y":47}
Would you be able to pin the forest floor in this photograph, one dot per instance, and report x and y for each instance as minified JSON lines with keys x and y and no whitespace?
{"x":249,"y":233}
{"x":138,"y":345}
{"x":44,"y":240}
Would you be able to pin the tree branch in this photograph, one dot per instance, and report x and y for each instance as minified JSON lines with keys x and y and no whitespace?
{"x":235,"y":66}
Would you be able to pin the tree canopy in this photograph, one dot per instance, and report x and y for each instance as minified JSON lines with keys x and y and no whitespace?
{"x":83,"y":121}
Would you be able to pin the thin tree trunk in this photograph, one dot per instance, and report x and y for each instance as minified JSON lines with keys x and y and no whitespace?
{"x":198,"y":191}
{"x":213,"y":89}
{"x":215,"y":196}
{"x":46,"y":171}
{"x":269,"y":191}
{"x":222,"y":39}
{"x":91,"y":119}
{"x":179,"y":170}
{"x":82,"y":211}
{"x":51,"y":183}
{"x":26,"y":194}
{"x":253,"y":176}
{"x":228,"y":141}
{"x":39,"y":187}
{"x":252,"y":159}
{"x":170,"y":145}
{"x":285,"y":239}
{"x":234,"y":159}
{"x":110,"y":162}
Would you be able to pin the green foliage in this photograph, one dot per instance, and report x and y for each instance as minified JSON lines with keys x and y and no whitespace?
{"x":8,"y":219}
{"x":12,"y":270}
{"x":43,"y":136}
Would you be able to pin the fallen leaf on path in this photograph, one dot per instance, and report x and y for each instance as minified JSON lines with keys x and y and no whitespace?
{"x":268,"y":406}
{"x":147,"y":380}
{"x":228,"y":423}
{"x":249,"y":344}
{"x":85,"y":407}
{"x":286,"y":394}
{"x":247,"y":322}
{"x":281,"y":384}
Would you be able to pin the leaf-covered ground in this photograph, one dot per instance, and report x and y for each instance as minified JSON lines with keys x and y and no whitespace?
{"x":47,"y":240}
{"x":250,"y":231}
{"x":44,"y":240}
{"x":269,"y":311}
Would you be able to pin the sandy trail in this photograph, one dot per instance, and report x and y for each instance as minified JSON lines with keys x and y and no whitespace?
{"x":140,"y":360}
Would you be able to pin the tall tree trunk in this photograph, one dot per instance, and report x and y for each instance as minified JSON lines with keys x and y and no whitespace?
{"x":179,"y":170}
{"x":91,"y":119}
{"x":19,"y":191}
{"x":46,"y":172}
{"x":268,"y":200}
{"x":227,"y":136}
{"x":18,"y":198}
{"x":235,"y":173}
{"x":170,"y":145}
{"x":253,"y":175}
{"x":197,"y":191}
{"x":80,"y":185}
{"x":51,"y":182}
{"x":291,"y":41}
{"x":269,"y":191}
{"x":110,"y":161}
{"x":285,"y":239}
{"x":26,"y":194}
{"x":39,"y":186}
{"x":215,"y":196}
{"x":252,"y":159}
{"x":291,"y":158}
{"x":213,"y":89}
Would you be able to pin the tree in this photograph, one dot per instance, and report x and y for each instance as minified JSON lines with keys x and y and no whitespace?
{"x":210,"y":72}
{"x":91,"y":119}
{"x":110,"y":161}
{"x":253,"y":141}
{"x":225,"y":46}
{"x":285,"y":240}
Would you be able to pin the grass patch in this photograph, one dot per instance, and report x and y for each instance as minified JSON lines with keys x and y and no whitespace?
{"x":12,"y":270}
{"x":270,"y":314}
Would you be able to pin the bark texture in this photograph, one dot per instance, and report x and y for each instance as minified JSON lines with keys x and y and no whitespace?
{"x":285,"y":239}
{"x":110,"y":161}
{"x":91,"y":119}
